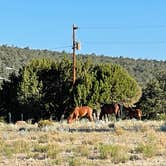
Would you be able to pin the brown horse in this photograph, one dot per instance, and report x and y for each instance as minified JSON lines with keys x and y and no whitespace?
{"x":137,"y":113}
{"x":110,"y":109}
{"x":133,"y":113}
{"x":81,"y":112}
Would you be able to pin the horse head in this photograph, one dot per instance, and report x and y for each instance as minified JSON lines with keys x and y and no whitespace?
{"x":70,"y":118}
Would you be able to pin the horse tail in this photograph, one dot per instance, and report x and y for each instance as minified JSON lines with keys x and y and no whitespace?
{"x":120,"y":110}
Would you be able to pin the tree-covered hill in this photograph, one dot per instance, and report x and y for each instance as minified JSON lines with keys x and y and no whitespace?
{"x":14,"y":57}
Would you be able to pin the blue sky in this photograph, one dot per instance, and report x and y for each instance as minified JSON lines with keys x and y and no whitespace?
{"x":129,"y":28}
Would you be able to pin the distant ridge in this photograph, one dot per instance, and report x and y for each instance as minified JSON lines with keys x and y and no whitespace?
{"x":142,"y":69}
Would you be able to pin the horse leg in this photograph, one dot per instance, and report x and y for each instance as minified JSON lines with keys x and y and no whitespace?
{"x":108,"y":117}
{"x":117,"y":116}
{"x":105,"y":117}
{"x":76,"y":116}
{"x":90,"y":117}
{"x":100,"y":116}
{"x":96,"y":115}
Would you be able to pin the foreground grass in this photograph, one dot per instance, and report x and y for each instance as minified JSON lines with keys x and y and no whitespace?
{"x":82,"y":143}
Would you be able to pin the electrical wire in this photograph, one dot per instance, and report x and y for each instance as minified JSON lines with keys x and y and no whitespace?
{"x":122,"y":27}
{"x":69,"y":46}
{"x":124,"y":42}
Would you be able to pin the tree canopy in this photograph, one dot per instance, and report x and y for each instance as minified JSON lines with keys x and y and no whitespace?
{"x":44,"y":87}
{"x":153,"y":100}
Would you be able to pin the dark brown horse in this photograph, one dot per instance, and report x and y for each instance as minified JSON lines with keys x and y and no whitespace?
{"x":110,"y":109}
{"x":95,"y":114}
{"x":81,"y":112}
{"x":133,"y":113}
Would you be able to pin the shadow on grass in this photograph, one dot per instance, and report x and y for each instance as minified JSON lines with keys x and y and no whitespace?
{"x":163,"y":128}
{"x":89,"y":130}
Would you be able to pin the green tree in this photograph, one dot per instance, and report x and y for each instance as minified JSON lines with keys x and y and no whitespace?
{"x":44,"y":87}
{"x":105,"y":84}
{"x":8,"y":98}
{"x":153,"y":101}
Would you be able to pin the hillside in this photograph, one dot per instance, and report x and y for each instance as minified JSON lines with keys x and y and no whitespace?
{"x":15,"y":57}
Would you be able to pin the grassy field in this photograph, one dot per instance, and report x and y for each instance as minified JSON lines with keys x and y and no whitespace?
{"x":126,"y":142}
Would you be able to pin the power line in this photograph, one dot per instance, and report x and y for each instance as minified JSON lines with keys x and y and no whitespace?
{"x":124,"y":42}
{"x":68,"y":46}
{"x":123,"y":27}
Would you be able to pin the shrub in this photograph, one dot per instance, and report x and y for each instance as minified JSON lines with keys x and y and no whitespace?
{"x":50,"y":150}
{"x":119,"y":130}
{"x":161,"y":116}
{"x":5,"y":149}
{"x":53,"y":151}
{"x":2,"y":119}
{"x":21,"y":146}
{"x":116,"y":152}
{"x":40,"y":148}
{"x":74,"y":162}
{"x":43,"y":138}
{"x":148,"y":150}
{"x":82,"y":150}
{"x":14,"y":148}
{"x":44,"y":123}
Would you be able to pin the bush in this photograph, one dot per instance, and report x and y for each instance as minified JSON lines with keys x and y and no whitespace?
{"x":2,"y":119}
{"x":148,"y":150}
{"x":119,"y":130}
{"x":40,"y":148}
{"x":44,"y":123}
{"x":74,"y":161}
{"x":161,"y":116}
{"x":15,"y":147}
{"x":50,"y":150}
{"x":82,"y":150}
{"x":117,"y":153}
{"x":43,"y":138}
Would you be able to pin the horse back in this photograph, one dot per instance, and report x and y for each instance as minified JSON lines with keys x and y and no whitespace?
{"x":83,"y":110}
{"x":109,"y":108}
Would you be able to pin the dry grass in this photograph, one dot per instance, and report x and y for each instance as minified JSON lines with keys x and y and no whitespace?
{"x":116,"y":153}
{"x":84,"y":143}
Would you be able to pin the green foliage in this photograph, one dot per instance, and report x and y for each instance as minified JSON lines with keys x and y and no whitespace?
{"x":8,"y":98}
{"x":44,"y":123}
{"x":115,"y":152}
{"x":8,"y":149}
{"x":153,"y":101}
{"x":148,"y":150}
{"x":51,"y":151}
{"x":44,"y":89}
{"x":46,"y":86}
{"x":105,"y":84}
{"x":29,"y":87}
{"x":74,"y":161}
{"x":161,"y":116}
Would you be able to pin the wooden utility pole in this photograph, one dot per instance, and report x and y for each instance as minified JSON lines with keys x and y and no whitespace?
{"x":74,"y":56}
